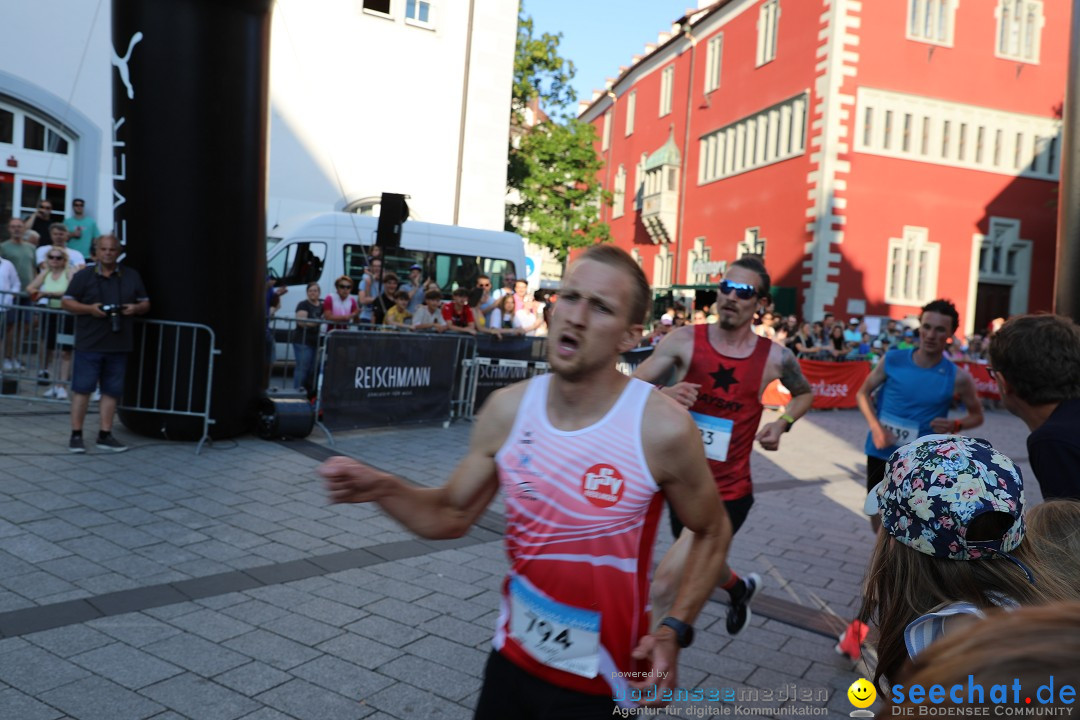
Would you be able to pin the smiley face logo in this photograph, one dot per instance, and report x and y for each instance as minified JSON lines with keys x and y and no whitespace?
{"x":862,"y":693}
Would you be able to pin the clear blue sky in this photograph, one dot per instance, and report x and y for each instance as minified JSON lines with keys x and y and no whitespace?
{"x":601,"y":35}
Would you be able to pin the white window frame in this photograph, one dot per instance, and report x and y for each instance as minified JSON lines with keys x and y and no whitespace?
{"x":995,"y":249}
{"x":752,"y":243}
{"x":631,"y":108}
{"x":1019,"y":38}
{"x":639,"y":182}
{"x":925,"y":19}
{"x":667,"y":88}
{"x":714,"y":53}
{"x":769,"y":136}
{"x":416,"y":21}
{"x":903,"y":283}
{"x":618,"y":206}
{"x":1013,"y":144}
{"x":662,"y":265}
{"x":699,"y":253}
{"x":605,"y":141}
{"x":767,"y":26}
{"x":1004,"y":234}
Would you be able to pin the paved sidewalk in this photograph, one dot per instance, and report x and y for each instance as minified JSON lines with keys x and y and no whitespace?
{"x":161,"y":584}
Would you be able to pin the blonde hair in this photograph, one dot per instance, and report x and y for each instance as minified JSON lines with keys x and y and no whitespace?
{"x":1053,"y":529}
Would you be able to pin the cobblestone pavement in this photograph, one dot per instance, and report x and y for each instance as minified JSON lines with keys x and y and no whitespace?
{"x":162,"y":584}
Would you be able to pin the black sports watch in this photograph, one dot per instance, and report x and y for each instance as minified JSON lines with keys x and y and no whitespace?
{"x":684,"y":632}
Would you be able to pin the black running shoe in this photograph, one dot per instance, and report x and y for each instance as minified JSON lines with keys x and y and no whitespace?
{"x":738,"y":615}
{"x":108,"y":442}
{"x":75,"y":444}
{"x":43,"y":378}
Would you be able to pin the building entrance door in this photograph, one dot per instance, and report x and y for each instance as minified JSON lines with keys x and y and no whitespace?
{"x":992,"y":301}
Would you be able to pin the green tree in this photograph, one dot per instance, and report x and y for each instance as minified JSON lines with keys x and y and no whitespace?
{"x":553,"y":168}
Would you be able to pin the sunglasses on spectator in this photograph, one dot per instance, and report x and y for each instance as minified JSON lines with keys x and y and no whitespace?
{"x":743,"y":291}
{"x":484,"y":285}
{"x":56,"y":257}
{"x":345,"y":286}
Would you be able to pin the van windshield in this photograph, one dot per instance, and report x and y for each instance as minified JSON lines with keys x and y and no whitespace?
{"x":299,"y":264}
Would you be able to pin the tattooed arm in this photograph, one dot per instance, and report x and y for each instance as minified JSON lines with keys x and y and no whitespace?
{"x":791,"y":376}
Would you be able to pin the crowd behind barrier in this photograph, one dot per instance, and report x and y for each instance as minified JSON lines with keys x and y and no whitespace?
{"x":404,"y":376}
{"x":169,"y":373}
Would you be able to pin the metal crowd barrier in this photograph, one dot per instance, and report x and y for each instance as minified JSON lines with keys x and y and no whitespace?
{"x":31,"y":369}
{"x":500,"y":362}
{"x":286,"y":332}
{"x":180,"y":377}
{"x":176,"y":381}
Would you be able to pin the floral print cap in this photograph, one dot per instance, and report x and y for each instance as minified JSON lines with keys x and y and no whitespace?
{"x":936,"y":486}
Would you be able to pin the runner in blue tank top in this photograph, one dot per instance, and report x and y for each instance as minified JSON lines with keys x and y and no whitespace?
{"x":915,"y":390}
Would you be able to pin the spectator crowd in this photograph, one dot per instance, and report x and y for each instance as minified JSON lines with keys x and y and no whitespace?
{"x":830,"y":338}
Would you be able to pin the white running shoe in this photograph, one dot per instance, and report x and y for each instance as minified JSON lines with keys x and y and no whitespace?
{"x":9,"y":364}
{"x":51,"y":392}
{"x":96,"y":397}
{"x":61,"y":393}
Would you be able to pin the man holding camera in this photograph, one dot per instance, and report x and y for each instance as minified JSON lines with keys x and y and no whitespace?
{"x":102,"y":298}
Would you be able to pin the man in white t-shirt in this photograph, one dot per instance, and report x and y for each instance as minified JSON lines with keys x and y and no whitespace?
{"x":59,"y":234}
{"x":428,"y":317}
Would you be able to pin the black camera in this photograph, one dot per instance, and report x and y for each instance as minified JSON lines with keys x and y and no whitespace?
{"x":113,"y":313}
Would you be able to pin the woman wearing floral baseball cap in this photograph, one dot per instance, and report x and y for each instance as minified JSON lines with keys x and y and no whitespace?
{"x":951,"y":545}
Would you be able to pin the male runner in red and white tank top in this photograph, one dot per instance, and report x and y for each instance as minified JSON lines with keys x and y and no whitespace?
{"x":582,"y":481}
{"x":720,"y":371}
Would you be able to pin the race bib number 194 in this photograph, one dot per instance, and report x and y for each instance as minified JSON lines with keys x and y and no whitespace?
{"x":561,"y":636}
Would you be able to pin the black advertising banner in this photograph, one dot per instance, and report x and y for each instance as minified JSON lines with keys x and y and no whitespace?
{"x":378,"y":379}
{"x":531,"y":349}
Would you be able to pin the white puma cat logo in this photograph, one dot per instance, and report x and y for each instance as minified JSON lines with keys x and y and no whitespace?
{"x":121,"y":64}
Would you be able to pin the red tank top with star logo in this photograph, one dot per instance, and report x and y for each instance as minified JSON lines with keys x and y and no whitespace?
{"x":731,"y":390}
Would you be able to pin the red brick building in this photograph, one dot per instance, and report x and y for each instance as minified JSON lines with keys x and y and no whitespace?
{"x":880,"y":154}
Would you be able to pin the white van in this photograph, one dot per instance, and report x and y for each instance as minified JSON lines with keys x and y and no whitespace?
{"x":321,"y":248}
